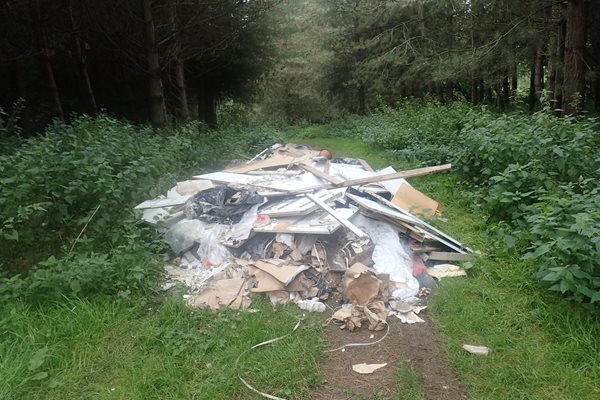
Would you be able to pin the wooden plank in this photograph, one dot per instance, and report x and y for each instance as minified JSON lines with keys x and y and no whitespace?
{"x":378,"y":178}
{"x":353,"y":228}
{"x":320,"y":174}
{"x":276,"y":160}
{"x":424,"y":249}
{"x":365,"y":165}
{"x":448,"y":256}
{"x":397,"y":175}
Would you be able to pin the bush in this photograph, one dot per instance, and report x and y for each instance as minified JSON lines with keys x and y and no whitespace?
{"x":563,"y":227}
{"x":89,"y":174}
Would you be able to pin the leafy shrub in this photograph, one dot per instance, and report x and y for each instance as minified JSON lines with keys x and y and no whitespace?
{"x":563,"y":228}
{"x":517,"y":157}
{"x":88,"y":175}
{"x":129,"y":265}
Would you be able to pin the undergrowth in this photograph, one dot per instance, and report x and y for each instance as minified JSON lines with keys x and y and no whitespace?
{"x":67,"y":224}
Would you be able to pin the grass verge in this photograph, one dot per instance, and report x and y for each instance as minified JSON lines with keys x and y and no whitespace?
{"x":105,"y":349}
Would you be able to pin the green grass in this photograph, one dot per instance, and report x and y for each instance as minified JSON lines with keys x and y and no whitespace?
{"x":542,"y":346}
{"x":131,"y":350}
{"x":409,"y":386}
{"x":346,"y":148}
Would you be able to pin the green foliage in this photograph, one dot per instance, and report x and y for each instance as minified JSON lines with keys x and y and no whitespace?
{"x":540,"y":174}
{"x":84,"y":178}
{"x":564,"y":232}
{"x":10,"y":131}
{"x":129,"y":266}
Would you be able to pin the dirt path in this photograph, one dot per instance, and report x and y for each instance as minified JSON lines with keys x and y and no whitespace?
{"x":417,"y":344}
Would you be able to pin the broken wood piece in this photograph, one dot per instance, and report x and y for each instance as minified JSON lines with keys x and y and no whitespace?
{"x":448,"y":256}
{"x":365,"y":165}
{"x":353,"y":228}
{"x":320,"y":174}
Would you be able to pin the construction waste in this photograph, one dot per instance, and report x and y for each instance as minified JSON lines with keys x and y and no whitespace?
{"x":300,"y":227}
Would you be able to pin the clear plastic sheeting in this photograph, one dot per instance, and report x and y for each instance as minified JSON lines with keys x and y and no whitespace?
{"x":182,"y":236}
{"x":210,"y":250}
{"x":390,"y":255}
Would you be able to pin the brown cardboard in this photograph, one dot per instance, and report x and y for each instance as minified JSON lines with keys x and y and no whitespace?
{"x":410,"y":199}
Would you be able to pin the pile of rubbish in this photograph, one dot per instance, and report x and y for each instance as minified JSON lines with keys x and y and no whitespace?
{"x":303,"y":227}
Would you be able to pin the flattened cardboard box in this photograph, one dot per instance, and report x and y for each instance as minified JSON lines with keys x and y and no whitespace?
{"x":410,"y":199}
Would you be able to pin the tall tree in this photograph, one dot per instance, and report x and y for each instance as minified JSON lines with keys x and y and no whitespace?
{"x":157,"y":97}
{"x":575,"y":68}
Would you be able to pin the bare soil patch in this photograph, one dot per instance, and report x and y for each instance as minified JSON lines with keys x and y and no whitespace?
{"x":418,"y":344}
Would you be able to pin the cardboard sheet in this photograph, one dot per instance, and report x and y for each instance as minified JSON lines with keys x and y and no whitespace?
{"x":415,"y":202}
{"x":284,"y":273}
{"x":222,"y":293}
{"x":361,"y":285}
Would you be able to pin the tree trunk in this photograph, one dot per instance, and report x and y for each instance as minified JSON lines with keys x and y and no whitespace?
{"x":88,"y":91}
{"x":207,"y":107}
{"x":183,"y":111}
{"x":46,"y":62}
{"x":362,"y":106}
{"x":505,"y":88}
{"x":538,"y":73}
{"x":474,"y":95}
{"x":550,"y":82}
{"x":182,"y":108}
{"x":514,"y":83}
{"x":499,"y":97}
{"x":595,"y":51}
{"x":157,"y":97}
{"x":559,"y":67}
{"x":481,"y":92}
{"x":532,"y":98}
{"x":574,"y":80}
